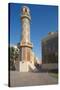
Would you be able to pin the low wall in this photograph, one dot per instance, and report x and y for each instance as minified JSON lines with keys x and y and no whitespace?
{"x":50,"y":66}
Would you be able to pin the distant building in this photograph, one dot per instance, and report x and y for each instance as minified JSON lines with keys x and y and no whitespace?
{"x":50,"y":48}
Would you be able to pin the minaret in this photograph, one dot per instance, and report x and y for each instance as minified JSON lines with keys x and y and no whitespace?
{"x":25,"y":44}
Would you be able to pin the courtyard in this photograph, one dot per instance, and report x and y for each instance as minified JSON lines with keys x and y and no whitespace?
{"x":19,"y":79}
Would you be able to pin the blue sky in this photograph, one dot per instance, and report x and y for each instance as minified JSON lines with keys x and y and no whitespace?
{"x":44,"y":19}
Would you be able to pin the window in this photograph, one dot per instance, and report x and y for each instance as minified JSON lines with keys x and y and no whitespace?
{"x":25,"y":10}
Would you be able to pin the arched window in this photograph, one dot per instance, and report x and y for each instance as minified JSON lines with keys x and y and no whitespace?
{"x":25,"y":10}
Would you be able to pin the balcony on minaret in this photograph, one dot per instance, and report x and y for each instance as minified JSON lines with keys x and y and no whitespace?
{"x":28,"y":44}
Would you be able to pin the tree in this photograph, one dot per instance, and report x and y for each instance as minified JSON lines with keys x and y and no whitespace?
{"x":14,"y":53}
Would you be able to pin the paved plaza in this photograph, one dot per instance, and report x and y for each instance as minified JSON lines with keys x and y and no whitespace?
{"x":31,"y":79}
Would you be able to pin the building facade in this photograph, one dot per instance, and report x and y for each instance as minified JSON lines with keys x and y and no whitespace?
{"x":50,"y":48}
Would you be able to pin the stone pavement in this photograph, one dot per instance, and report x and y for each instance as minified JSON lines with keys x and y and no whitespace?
{"x":31,"y":79}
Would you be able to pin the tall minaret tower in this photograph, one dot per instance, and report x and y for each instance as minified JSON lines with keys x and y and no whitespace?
{"x":25,"y":44}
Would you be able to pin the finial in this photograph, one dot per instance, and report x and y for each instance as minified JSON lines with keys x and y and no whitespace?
{"x":25,"y":10}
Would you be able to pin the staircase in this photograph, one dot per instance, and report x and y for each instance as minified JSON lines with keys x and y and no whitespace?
{"x":32,"y":67}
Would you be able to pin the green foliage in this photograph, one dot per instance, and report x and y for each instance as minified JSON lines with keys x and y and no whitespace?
{"x":12,"y":50}
{"x":14,"y":53}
